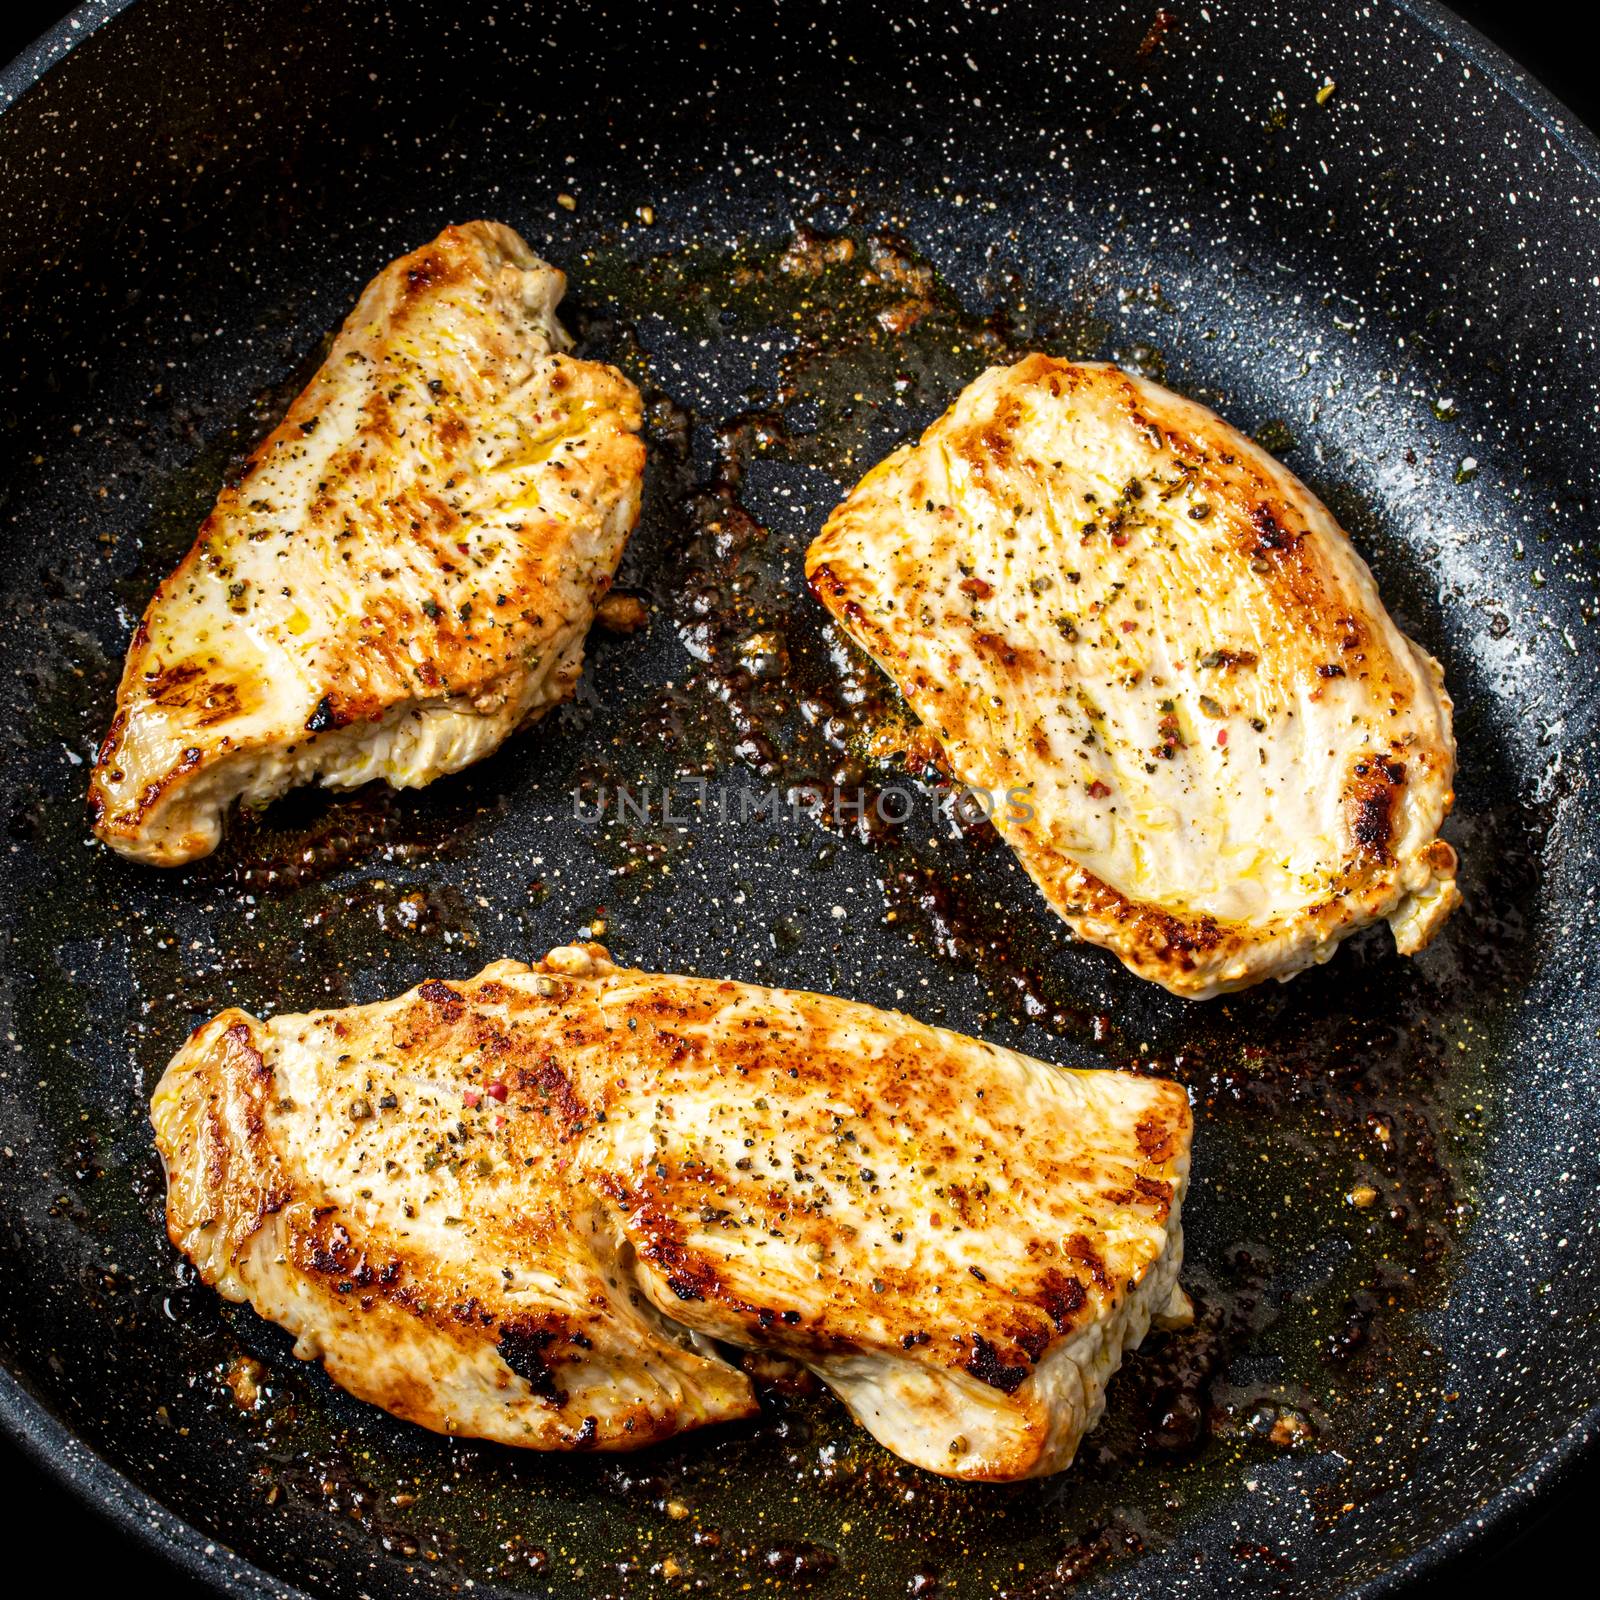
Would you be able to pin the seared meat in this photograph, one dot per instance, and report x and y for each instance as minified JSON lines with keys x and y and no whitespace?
{"x":1161,"y":662}
{"x":406,"y":570}
{"x":519,"y":1207}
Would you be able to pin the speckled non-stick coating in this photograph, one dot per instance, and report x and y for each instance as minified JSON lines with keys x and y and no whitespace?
{"x":1353,"y":229}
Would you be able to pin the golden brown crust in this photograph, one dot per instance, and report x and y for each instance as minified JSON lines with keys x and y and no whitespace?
{"x":428,"y":530}
{"x":494,"y":1207}
{"x":1101,"y":597}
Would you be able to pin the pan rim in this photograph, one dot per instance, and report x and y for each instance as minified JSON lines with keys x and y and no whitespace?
{"x":46,"y":1439}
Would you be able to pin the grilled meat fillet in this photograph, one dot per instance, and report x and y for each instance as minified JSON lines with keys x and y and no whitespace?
{"x":520,"y":1207}
{"x":404,"y":574}
{"x":1160,"y":660}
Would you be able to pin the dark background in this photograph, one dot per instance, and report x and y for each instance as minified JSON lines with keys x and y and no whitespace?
{"x":1539,"y":1551}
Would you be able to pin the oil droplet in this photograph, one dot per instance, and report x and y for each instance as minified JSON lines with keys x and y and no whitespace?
{"x":1275,"y":436}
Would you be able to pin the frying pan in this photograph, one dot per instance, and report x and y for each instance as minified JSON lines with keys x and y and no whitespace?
{"x":1357,"y":231}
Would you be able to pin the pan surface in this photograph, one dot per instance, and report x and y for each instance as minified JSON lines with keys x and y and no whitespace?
{"x":1357,"y":232}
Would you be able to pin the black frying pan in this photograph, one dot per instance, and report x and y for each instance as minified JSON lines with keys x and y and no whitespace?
{"x":1363,"y":236}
